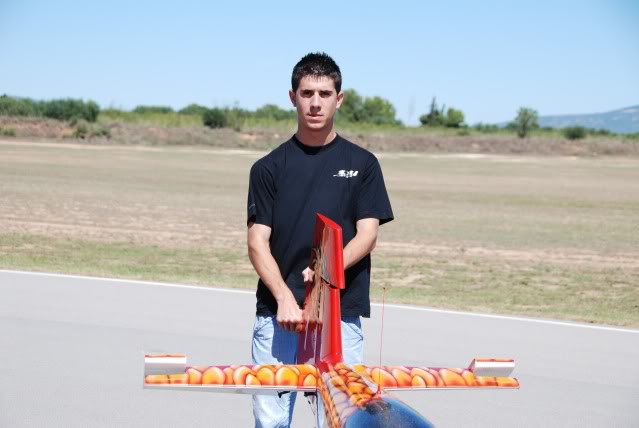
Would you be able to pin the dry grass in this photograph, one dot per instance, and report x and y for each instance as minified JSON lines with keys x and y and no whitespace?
{"x":548,"y":236}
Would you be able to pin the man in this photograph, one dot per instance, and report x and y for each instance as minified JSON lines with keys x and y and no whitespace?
{"x":315,"y":171}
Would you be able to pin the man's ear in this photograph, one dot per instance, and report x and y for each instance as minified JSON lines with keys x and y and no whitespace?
{"x":291,"y":95}
{"x":340,"y":98}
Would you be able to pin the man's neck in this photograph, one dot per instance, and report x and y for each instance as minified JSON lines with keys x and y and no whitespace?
{"x":314,"y":138}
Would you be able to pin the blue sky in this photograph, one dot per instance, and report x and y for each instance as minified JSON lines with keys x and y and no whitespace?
{"x":487,"y":58}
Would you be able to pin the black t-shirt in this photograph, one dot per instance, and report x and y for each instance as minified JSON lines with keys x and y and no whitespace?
{"x":290,"y":185}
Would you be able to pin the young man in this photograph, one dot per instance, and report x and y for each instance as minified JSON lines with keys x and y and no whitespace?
{"x":315,"y":171}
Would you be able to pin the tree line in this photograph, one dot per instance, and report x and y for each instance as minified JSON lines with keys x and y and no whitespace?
{"x":60,"y":109}
{"x":355,"y":109}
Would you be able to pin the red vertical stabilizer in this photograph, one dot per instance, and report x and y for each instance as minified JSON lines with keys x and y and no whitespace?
{"x":321,"y":339}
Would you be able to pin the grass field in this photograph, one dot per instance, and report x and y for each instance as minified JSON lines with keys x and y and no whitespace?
{"x":554,"y":237}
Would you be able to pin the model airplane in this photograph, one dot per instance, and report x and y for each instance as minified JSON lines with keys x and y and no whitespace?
{"x":344,"y":396}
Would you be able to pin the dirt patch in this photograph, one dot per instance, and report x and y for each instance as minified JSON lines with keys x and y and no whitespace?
{"x":37,"y":128}
{"x":567,"y":256}
{"x":495,"y":144}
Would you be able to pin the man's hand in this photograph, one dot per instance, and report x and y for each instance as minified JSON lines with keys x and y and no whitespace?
{"x":308,"y":274}
{"x":289,"y":314}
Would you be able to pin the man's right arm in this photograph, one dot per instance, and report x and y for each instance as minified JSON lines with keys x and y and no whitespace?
{"x":289,"y":314}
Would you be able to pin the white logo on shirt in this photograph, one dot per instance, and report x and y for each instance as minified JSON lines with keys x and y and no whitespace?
{"x":346,"y":174}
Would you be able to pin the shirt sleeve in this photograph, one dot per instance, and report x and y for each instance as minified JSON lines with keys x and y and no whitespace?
{"x":372,"y":199}
{"x":261,"y":195}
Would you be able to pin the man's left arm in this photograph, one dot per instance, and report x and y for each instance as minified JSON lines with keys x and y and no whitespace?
{"x":362,"y":244}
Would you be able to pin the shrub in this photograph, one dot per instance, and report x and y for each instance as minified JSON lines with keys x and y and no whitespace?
{"x":574,"y":132}
{"x":101,"y":131}
{"x":434,"y":117}
{"x":451,"y":118}
{"x":526,"y":120}
{"x":7,"y":132}
{"x":92,"y":111}
{"x":152,"y":109}
{"x":11,"y":106}
{"x":454,"y":118}
{"x":69,"y":109}
{"x":214,"y":118}
{"x":81,"y":130}
{"x":429,"y":119}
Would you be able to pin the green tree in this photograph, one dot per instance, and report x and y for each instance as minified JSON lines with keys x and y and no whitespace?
{"x":358,"y":109}
{"x":351,"y":109}
{"x":91,"y":111}
{"x":13,"y":106}
{"x":454,"y":118}
{"x":434,"y":117}
{"x":379,"y":111}
{"x":70,"y":109}
{"x":574,"y":132}
{"x":214,"y":118}
{"x":526,"y":120}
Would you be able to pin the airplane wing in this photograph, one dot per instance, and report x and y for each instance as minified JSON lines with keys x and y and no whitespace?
{"x":172,"y":372}
{"x":481,"y":373}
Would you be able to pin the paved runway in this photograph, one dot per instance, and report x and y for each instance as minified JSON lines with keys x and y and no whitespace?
{"x":71,"y":355}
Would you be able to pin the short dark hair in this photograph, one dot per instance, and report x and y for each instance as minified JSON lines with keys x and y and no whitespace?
{"x":316,"y":64}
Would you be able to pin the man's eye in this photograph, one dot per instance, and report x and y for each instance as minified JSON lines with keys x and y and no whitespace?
{"x":307,"y":93}
{"x":325,"y":94}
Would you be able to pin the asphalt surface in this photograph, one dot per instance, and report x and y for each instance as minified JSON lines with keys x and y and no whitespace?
{"x":71,"y":355}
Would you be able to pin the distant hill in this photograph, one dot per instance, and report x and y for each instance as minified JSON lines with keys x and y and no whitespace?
{"x":625,"y":120}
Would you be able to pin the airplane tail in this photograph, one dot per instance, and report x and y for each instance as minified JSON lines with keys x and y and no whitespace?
{"x":321,"y":338}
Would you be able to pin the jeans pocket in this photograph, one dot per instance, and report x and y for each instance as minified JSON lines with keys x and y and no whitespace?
{"x":260,"y":323}
{"x":355,"y":325}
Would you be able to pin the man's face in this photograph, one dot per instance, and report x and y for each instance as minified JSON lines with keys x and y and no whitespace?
{"x":316,"y":101}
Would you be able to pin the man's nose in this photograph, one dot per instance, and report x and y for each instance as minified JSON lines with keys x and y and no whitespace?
{"x":315,"y":101}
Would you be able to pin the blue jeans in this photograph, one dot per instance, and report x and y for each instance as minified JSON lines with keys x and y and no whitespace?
{"x":272,"y":345}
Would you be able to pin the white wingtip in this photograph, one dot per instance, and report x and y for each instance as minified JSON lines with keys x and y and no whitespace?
{"x":492,"y":367}
{"x":164,"y":364}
